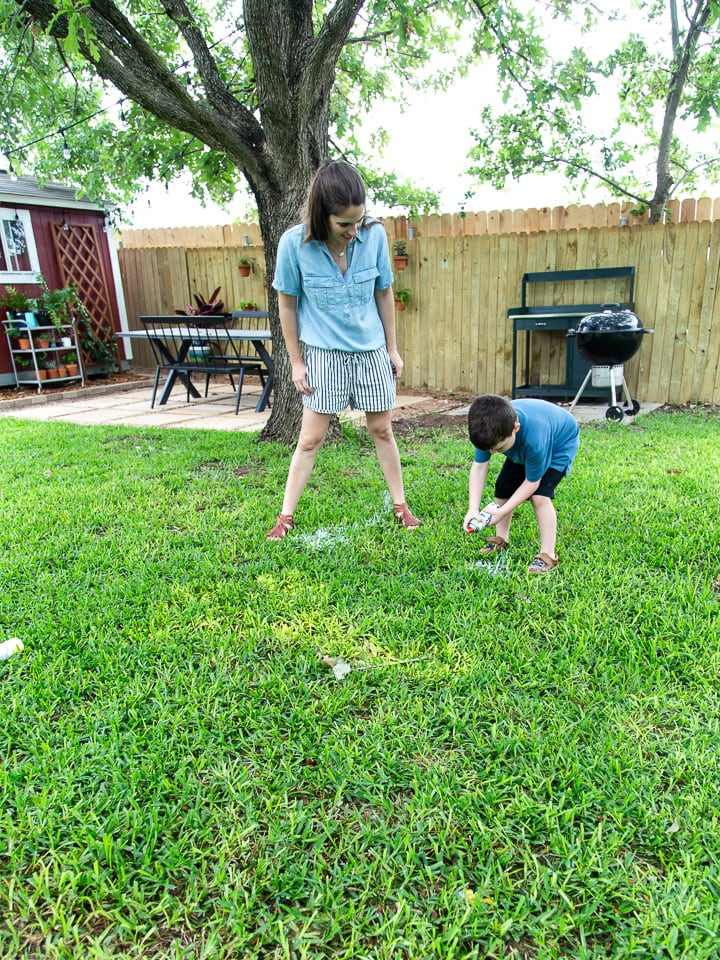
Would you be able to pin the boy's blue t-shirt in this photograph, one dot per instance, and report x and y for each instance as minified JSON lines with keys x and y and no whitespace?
{"x":548,"y":437}
{"x":336,"y":311}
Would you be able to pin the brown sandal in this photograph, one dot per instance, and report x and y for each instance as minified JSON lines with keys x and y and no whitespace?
{"x":404,"y":515}
{"x":494,"y":545}
{"x":283,"y":524}
{"x":542,"y":563}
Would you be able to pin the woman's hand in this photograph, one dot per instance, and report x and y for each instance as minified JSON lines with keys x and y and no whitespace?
{"x":299,"y":378}
{"x":397,"y":363}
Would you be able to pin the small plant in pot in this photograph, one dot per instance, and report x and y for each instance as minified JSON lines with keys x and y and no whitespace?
{"x":18,"y":332}
{"x":244,"y":266}
{"x":71,"y":363}
{"x":402,"y":298}
{"x":63,"y":306}
{"x":24,"y":373}
{"x":13,"y":303}
{"x":400,"y":255}
{"x":205,"y":306}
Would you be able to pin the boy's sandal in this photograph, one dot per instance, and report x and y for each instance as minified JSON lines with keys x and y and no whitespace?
{"x":283,"y":523}
{"x":404,"y":515}
{"x":494,"y":545}
{"x":542,"y":563}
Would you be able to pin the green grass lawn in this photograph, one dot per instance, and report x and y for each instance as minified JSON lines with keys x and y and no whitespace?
{"x":514,"y":767}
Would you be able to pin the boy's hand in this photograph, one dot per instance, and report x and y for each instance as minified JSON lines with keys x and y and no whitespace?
{"x":475,"y":521}
{"x":472,"y":522}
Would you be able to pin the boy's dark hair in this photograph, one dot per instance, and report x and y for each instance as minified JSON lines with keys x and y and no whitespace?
{"x":491,"y":419}
{"x":336,"y":186}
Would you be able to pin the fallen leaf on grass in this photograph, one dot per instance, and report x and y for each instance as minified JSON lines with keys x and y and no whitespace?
{"x":673,"y":828}
{"x":341,"y":668}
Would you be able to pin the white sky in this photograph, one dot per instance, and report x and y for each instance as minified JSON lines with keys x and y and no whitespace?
{"x":428,"y":145}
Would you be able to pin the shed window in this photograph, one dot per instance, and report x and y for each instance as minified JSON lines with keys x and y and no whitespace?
{"x":18,"y":255}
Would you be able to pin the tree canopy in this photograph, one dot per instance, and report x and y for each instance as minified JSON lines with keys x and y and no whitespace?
{"x":633,"y":104}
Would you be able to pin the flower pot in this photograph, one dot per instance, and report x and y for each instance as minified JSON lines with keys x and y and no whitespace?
{"x":23,"y":343}
{"x":399,"y":305}
{"x":43,"y":343}
{"x":42,"y":374}
{"x":244,"y":269}
{"x":62,"y":372}
{"x":72,"y":369}
{"x":52,"y":373}
{"x":400,"y":261}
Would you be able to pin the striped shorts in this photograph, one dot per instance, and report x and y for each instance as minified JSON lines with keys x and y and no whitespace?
{"x":361,"y":381}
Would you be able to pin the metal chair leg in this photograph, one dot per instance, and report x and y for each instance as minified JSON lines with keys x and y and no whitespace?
{"x":241,"y":377}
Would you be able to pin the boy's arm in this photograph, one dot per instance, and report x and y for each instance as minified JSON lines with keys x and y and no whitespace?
{"x":476,"y":485}
{"x":523,"y":493}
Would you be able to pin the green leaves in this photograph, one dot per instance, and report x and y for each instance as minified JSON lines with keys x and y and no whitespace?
{"x":562,"y":108}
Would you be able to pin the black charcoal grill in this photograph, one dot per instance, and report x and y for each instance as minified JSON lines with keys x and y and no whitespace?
{"x":607,"y":340}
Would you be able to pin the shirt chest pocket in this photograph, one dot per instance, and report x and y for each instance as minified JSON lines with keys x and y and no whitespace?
{"x":323,"y":292}
{"x":362,"y":286}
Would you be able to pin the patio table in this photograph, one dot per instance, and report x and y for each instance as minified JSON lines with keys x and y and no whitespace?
{"x":178,"y":347}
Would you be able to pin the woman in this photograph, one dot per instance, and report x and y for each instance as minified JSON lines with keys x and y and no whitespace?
{"x":334,"y":283}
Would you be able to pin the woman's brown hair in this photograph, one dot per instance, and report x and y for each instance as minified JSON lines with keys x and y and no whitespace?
{"x":336,"y":186}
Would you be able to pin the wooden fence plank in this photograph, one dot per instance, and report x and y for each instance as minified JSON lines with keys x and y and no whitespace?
{"x":708,"y":373}
{"x":697,"y":265}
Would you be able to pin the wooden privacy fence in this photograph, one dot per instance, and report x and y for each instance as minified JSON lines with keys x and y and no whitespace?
{"x":534,"y":220}
{"x":455,"y":334}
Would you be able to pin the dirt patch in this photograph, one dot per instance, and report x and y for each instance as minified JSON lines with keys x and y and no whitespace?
{"x":417,"y":423}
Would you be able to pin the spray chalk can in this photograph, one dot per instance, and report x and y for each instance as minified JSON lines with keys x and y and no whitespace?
{"x":475,"y":526}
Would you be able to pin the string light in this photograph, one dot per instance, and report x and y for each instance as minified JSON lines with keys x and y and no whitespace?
{"x":13,"y":175}
{"x":66,"y":149}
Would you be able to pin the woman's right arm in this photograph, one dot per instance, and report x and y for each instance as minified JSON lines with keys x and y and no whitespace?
{"x":287,"y":306}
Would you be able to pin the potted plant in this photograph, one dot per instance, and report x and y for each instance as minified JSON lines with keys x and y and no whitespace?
{"x":24,"y":373}
{"x":402,"y":298}
{"x":71,"y":363}
{"x":42,"y":363}
{"x":400,"y":256}
{"x":63,"y":306}
{"x":245,"y":266}
{"x":19,"y":333}
{"x":206,"y":306}
{"x":248,"y":305}
{"x":13,"y":303}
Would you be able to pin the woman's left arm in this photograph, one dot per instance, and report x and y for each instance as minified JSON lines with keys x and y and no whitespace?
{"x":385,"y":302}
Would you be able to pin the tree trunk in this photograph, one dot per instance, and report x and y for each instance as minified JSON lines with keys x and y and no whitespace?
{"x":277,"y":135}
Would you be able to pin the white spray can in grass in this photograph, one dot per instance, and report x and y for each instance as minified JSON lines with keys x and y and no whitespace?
{"x":9,"y":647}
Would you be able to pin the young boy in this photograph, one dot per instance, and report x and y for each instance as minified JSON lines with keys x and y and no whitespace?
{"x":539,"y":441}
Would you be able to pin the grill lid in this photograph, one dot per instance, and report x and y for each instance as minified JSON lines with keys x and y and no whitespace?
{"x":610,"y":337}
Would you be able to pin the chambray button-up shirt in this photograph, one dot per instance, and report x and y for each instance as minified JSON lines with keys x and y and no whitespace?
{"x":336,"y":312}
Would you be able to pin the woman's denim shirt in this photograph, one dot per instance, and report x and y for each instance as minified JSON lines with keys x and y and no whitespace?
{"x":336,"y":312}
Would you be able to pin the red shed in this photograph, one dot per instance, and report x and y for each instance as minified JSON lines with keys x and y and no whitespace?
{"x":48,"y":230}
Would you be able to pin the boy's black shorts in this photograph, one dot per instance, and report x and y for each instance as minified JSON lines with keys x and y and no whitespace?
{"x":513,"y":474}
